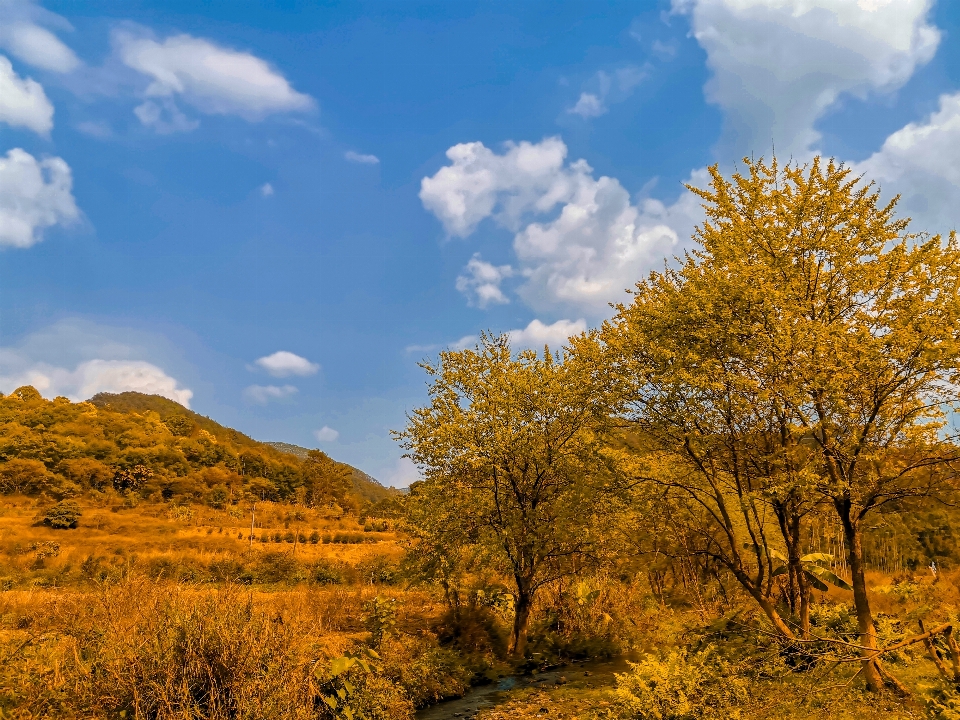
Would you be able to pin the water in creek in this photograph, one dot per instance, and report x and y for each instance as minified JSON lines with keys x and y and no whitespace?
{"x":597,"y":673}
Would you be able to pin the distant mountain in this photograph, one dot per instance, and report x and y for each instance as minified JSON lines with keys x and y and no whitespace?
{"x":363,"y":485}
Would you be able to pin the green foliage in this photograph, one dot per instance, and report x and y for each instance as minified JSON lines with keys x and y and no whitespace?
{"x":680,"y":686}
{"x":63,"y":515}
{"x":380,"y":619}
{"x":517,"y":478}
{"x":149,"y":445}
{"x":941,"y":701}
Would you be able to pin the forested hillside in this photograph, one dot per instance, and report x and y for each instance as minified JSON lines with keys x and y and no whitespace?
{"x":158,"y":449}
{"x":362,"y":484}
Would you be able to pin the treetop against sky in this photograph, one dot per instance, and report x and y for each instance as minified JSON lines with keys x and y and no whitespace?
{"x":271,"y":212}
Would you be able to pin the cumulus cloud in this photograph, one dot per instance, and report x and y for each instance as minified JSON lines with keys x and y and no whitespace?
{"x":23,"y":103}
{"x":79,"y":359}
{"x":361,"y":158}
{"x":266,"y":190}
{"x":606,"y":88}
{"x":478,"y":181}
{"x":403,"y":474}
{"x":326,"y":434}
{"x":580,"y":239}
{"x":95,"y":376}
{"x":34,"y":195}
{"x":778,"y":65}
{"x":24,"y":37}
{"x":535,"y":335}
{"x":284,"y":364}
{"x":262,"y":394}
{"x":921,"y":161}
{"x":213,"y":79}
{"x":481,"y":282}
{"x":588,"y":106}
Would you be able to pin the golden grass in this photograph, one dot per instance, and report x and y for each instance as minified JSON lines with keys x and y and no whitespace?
{"x":113,"y":540}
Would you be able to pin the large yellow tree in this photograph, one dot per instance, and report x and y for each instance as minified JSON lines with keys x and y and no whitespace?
{"x":514,"y":469}
{"x":808,"y":348}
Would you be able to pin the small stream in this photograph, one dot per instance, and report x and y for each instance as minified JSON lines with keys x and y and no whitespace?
{"x":598,"y":673}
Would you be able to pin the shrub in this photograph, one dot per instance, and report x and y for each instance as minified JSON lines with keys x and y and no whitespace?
{"x":24,"y":476}
{"x":87,"y":472}
{"x":63,"y":515}
{"x":378,"y":570}
{"x":219,"y":496}
{"x":274,"y":567}
{"x":326,"y":572}
{"x":680,"y":686}
{"x":314,"y":537}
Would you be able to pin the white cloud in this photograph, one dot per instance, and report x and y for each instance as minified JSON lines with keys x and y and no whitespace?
{"x":262,"y":394}
{"x":664,"y":50}
{"x":588,"y":106}
{"x":95,"y":128}
{"x":579,"y":239}
{"x":266,"y":190}
{"x":606,"y":88}
{"x":403,"y":474}
{"x":164,"y":117}
{"x":467,"y":341}
{"x":481,"y":282}
{"x":78,"y":359}
{"x":778,"y":65}
{"x":465,"y":192}
{"x":213,"y":79}
{"x":537,"y":334}
{"x":34,"y":195}
{"x":23,"y":102}
{"x":921,"y":161}
{"x":361,"y":158}
{"x":326,"y":434}
{"x":95,"y":376}
{"x":284,"y":364}
{"x":25,"y":39}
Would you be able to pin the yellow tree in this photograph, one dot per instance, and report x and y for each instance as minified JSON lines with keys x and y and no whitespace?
{"x":847,"y":328}
{"x":684,"y":362}
{"x":513,"y":467}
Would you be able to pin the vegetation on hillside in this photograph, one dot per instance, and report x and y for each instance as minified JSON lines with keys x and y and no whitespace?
{"x":156,"y":449}
{"x":746,"y":482}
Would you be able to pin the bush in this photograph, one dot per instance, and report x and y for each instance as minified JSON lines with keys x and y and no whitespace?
{"x":378,"y":570}
{"x":326,"y":572}
{"x":680,"y":686}
{"x":63,"y":515}
{"x":219,"y":496}
{"x":275,"y":567}
{"x":24,"y":476}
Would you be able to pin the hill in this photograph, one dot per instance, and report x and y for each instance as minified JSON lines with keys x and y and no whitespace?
{"x":156,"y":449}
{"x":367,"y":487}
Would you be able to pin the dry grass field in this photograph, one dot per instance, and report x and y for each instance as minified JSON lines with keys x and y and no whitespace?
{"x":169,"y":611}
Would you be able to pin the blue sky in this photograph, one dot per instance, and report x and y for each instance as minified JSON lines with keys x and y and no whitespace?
{"x":272,"y":211}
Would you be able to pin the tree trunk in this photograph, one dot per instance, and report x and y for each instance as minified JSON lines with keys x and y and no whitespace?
{"x":763,"y":601}
{"x":801,"y":604}
{"x":804,"y":607}
{"x":865,"y":626}
{"x":521,"y":618}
